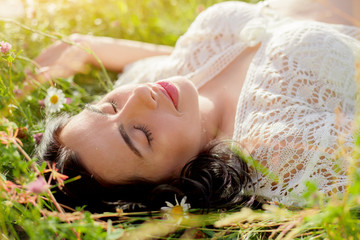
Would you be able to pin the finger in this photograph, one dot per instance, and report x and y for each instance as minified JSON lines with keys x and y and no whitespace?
{"x":51,"y":54}
{"x":56,"y":71}
{"x":72,"y":60}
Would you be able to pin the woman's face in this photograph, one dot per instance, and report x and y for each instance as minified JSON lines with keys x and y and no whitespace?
{"x":138,"y":131}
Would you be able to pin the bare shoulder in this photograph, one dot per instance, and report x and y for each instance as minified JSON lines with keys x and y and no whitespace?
{"x":330,"y":11}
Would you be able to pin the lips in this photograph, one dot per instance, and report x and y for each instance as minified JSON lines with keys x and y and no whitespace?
{"x":170,"y":91}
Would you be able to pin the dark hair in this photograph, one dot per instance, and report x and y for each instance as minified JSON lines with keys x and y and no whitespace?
{"x":215,"y":178}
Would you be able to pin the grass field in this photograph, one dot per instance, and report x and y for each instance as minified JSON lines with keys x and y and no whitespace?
{"x":27,"y":209}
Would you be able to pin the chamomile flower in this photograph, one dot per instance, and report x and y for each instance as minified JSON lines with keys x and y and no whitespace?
{"x":178,"y":211}
{"x":55,"y":99}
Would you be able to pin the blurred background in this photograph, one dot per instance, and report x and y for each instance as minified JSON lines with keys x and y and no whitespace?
{"x":158,"y":21}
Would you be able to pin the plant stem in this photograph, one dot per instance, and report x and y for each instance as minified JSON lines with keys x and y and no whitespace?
{"x":34,"y":167}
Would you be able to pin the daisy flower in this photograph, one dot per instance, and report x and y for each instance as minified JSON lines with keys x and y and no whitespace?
{"x":178,"y":211}
{"x":55,"y":99}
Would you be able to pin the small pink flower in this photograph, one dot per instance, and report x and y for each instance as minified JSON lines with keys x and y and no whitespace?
{"x":17,"y":91}
{"x":38,"y":186}
{"x":5,"y":47}
{"x":200,"y":8}
{"x":37,"y":137}
{"x":42,"y":102}
{"x":68,"y":100}
{"x":115,"y":24}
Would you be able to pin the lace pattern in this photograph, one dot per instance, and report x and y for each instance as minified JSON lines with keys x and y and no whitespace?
{"x":296,"y":107}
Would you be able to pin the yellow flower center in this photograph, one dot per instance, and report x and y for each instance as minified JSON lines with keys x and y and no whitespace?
{"x":54,"y":99}
{"x":177,"y":210}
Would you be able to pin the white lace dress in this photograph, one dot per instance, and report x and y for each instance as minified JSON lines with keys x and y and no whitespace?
{"x":298,"y":101}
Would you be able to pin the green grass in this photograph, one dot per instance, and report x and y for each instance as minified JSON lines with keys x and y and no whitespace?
{"x":35,"y":216}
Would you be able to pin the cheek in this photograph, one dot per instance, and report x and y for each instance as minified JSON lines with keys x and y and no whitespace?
{"x":177,"y":147}
{"x":179,"y":132}
{"x":178,"y":138}
{"x":186,"y":142}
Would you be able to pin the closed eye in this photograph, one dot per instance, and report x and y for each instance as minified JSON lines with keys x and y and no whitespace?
{"x":114,"y":105}
{"x":146,"y":131}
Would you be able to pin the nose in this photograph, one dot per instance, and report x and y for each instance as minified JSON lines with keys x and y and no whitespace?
{"x":144,"y":94}
{"x":141,"y":99}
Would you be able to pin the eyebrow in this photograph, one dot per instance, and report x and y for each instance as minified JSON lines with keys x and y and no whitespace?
{"x":122,"y":131}
{"x":128,"y":141}
{"x":94,"y":109}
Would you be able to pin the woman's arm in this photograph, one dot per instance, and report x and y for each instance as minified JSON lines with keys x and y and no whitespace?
{"x":330,"y":11}
{"x":116,"y":53}
{"x":63,"y":60}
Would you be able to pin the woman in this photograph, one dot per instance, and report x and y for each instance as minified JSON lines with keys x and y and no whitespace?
{"x":282,"y":89}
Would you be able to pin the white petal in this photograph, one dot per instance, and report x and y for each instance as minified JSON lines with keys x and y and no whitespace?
{"x":166,"y":209}
{"x":183,"y":201}
{"x":50,"y":90}
{"x":179,"y":221}
{"x":169,"y":204}
{"x":177,"y":203}
{"x":186,"y":207}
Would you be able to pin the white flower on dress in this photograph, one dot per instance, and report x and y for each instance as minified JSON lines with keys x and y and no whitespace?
{"x":254,"y":32}
{"x":55,"y":100}
{"x":178,"y":211}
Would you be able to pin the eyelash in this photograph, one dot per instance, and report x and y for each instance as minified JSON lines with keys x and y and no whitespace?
{"x":146,"y":131}
{"x":113,"y":104}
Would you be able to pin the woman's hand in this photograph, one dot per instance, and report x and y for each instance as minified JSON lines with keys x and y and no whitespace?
{"x":62,"y":59}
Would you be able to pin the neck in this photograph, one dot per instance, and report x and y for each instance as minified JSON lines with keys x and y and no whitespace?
{"x":210,"y":119}
{"x":218,"y":98}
